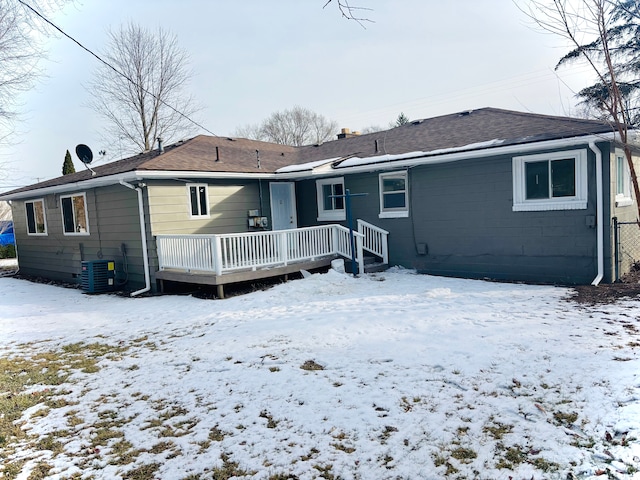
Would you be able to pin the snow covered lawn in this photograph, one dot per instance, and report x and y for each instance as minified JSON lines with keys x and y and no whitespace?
{"x":388,"y":376}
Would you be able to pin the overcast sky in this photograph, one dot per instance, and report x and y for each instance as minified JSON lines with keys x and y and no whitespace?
{"x":253,"y":57}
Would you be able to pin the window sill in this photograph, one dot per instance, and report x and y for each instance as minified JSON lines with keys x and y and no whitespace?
{"x":550,"y":206}
{"x":404,"y":214}
{"x":330,"y":217}
{"x":198,"y":217}
{"x":37,"y":234}
{"x":76,"y":234}
{"x":623,"y":201}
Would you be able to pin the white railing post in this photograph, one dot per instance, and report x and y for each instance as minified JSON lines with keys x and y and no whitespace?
{"x":360,"y":254}
{"x":217,"y":254}
{"x":284,"y":247}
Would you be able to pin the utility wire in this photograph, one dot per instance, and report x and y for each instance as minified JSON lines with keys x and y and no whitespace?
{"x":114,"y":68}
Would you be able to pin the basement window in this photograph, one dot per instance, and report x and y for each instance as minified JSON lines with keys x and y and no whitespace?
{"x":74,"y":214}
{"x":198,"y":200}
{"x":550,"y":181}
{"x":36,"y":217}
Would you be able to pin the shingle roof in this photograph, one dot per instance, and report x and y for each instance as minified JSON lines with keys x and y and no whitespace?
{"x":235,"y":155}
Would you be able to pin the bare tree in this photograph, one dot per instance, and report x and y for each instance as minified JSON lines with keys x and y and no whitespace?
{"x":297,"y":126}
{"x":592,"y":27}
{"x":140,"y":91}
{"x":20,"y":51}
{"x":351,"y":12}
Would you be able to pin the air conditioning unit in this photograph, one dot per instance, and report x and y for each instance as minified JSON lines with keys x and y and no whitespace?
{"x":98,"y":276}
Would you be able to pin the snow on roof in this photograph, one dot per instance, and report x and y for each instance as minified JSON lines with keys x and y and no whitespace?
{"x":306,"y":166}
{"x":358,"y":161}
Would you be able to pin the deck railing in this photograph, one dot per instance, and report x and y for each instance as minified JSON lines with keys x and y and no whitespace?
{"x":374,"y":240}
{"x":227,"y":253}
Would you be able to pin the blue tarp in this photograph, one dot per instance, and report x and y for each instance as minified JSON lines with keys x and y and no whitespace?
{"x":6,"y":235}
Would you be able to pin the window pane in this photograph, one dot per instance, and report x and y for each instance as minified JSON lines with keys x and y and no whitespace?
{"x":193,"y":193}
{"x":394,"y":200}
{"x":393,"y":184}
{"x":620,"y":176}
{"x":203,"y":201}
{"x":326,"y":197}
{"x":80,"y":214}
{"x":563,"y":177}
{"x":67,"y":215}
{"x":31,"y":218}
{"x":537,"y":174}
{"x":339,"y":202}
{"x":39,"y":217}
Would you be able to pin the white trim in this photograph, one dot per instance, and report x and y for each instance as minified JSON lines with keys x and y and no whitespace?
{"x":625,"y":198}
{"x":599,"y":213}
{"x":329,"y":215}
{"x":44,"y":215}
{"x":197,"y":186}
{"x":576,"y":202}
{"x":75,"y":219}
{"x":143,"y":238}
{"x":397,"y":212}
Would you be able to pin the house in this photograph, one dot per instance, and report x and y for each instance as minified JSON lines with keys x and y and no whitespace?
{"x":486,"y":193}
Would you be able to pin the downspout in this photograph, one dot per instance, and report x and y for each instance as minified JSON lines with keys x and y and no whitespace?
{"x":599,"y":213}
{"x":143,"y":233}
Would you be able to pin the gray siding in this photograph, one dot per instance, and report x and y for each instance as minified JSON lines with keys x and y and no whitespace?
{"x":462,"y":213}
{"x":113,"y":223}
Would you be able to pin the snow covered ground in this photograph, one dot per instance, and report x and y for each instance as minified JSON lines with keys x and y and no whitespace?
{"x":421,"y":378}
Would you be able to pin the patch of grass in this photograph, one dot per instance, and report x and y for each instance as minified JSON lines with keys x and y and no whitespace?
{"x":49,"y":442}
{"x":544,"y":465}
{"x":497,"y":430}
{"x":343,"y":448}
{"x":325,"y":471}
{"x":464,"y":455}
{"x":216,"y":435}
{"x":142,"y":472}
{"x":312,"y":453}
{"x":161,"y":447}
{"x":40,"y":471}
{"x":510,"y":457}
{"x":274,"y":369}
{"x":565,"y":419}
{"x":229,"y":469}
{"x":271,"y":423}
{"x":311,"y":365}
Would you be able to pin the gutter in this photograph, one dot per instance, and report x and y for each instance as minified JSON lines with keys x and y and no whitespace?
{"x":599,"y":213}
{"x":143,"y":233}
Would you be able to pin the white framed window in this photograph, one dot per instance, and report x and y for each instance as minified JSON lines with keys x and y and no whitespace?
{"x":623,"y":181}
{"x":75,"y":220}
{"x":394,"y":195}
{"x":330,"y":204}
{"x":36,"y":217}
{"x":198,"y":200}
{"x":550,"y":181}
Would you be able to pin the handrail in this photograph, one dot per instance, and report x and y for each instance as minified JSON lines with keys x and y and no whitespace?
{"x":375,"y":240}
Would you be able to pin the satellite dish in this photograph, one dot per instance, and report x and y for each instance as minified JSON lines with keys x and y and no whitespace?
{"x":84,"y":153}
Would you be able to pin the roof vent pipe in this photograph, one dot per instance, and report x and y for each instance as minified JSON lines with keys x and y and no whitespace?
{"x":217,"y":154}
{"x":258,"y":158}
{"x":376,"y":147}
{"x":160,"y":146}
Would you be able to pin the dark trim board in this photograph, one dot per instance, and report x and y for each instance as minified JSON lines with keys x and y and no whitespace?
{"x":206,"y":278}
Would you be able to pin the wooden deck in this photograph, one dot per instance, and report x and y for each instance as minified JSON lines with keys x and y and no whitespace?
{"x":209,"y":278}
